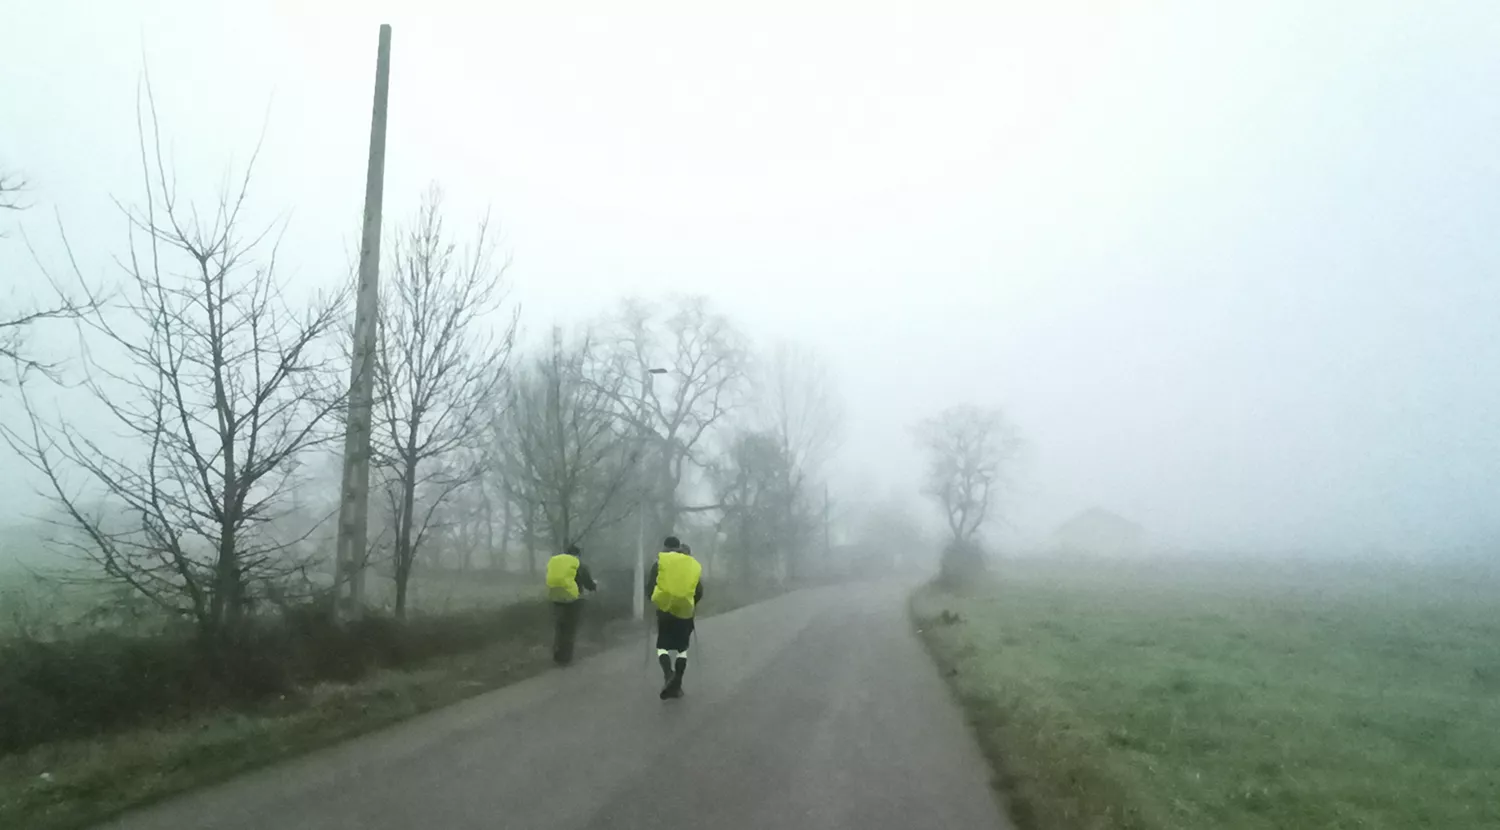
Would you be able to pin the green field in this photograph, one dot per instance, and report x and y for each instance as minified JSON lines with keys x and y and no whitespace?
{"x":1200,"y":696}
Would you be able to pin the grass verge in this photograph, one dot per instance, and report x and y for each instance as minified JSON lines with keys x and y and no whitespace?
{"x":73,"y":784}
{"x":1189,"y":696}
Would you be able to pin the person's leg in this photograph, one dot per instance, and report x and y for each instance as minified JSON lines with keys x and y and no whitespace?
{"x":663,"y":644}
{"x":571,"y":614}
{"x":559,"y":631}
{"x":682,"y":653}
{"x":680,"y":635}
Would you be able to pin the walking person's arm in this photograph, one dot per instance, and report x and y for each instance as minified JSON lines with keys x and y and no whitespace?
{"x":585,"y":579}
{"x":650,"y":581}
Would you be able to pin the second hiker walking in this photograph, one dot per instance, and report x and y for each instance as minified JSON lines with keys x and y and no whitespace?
{"x":567,"y":579}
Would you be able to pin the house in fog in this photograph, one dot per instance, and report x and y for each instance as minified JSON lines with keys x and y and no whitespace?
{"x":1099,"y":532}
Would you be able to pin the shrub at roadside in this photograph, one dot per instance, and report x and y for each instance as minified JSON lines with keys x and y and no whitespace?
{"x":963,"y":566}
{"x":101,"y":682}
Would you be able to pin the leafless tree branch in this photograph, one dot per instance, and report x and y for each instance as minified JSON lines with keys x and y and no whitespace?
{"x":12,"y":185}
{"x":65,"y":305}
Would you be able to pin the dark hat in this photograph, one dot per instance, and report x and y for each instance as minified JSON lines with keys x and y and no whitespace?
{"x":671,"y":543}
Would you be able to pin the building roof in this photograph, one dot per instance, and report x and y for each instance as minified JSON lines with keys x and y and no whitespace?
{"x":1097,"y":521}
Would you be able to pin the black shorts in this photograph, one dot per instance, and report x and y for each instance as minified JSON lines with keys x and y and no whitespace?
{"x":672,"y":633}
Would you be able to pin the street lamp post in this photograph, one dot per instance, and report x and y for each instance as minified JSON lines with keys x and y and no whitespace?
{"x":638,"y":601}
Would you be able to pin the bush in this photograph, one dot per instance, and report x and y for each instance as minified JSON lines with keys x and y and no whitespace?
{"x":63,"y":689}
{"x":963,"y":564}
{"x":103,"y":682}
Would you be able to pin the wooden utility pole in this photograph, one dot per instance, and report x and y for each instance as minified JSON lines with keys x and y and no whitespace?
{"x":354,"y":506}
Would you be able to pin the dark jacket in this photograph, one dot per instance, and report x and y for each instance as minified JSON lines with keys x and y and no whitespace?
{"x":651,"y":586}
{"x":585,"y":579}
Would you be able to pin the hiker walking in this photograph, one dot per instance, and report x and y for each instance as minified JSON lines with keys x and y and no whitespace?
{"x":675,"y":586}
{"x":567,"y":578}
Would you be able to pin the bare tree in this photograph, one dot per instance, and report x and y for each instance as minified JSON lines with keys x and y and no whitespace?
{"x":801,"y":405}
{"x":218,"y":385}
{"x":495,"y":503}
{"x":764,"y":508}
{"x":568,"y":457}
{"x":439,"y":372}
{"x":468,"y":522}
{"x":969,"y":451}
{"x":706,"y":359}
{"x":801,"y":410}
{"x":512,"y":514}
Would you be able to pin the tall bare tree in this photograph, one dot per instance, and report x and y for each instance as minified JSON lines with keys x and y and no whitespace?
{"x":468,"y":523}
{"x":707,"y":362}
{"x":799,"y":397}
{"x":443,"y":350}
{"x":568,"y":456}
{"x":495,"y":505}
{"x":218,"y":385}
{"x":767,"y":515}
{"x":969,"y":452}
{"x":800,"y":408}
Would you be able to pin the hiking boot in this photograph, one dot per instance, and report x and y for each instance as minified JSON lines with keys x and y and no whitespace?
{"x":672,"y":689}
{"x":666,"y":667}
{"x":674,"y":682}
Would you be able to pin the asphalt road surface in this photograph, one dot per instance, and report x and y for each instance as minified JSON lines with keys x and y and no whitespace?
{"x":816,"y":710}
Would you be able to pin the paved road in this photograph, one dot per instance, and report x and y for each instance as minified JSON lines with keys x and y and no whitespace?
{"x":816,"y":710}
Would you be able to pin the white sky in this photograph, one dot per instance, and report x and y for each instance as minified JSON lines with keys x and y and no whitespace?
{"x":1230,"y":266}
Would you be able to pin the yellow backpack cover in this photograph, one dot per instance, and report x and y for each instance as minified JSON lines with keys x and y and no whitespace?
{"x":562,"y":578}
{"x":677,"y":576}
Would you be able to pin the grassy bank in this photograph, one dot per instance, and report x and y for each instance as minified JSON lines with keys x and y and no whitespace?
{"x":68,"y":784}
{"x":1194,"y":696}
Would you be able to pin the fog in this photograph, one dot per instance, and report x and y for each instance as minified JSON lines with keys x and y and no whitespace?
{"x":1231,"y":272}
